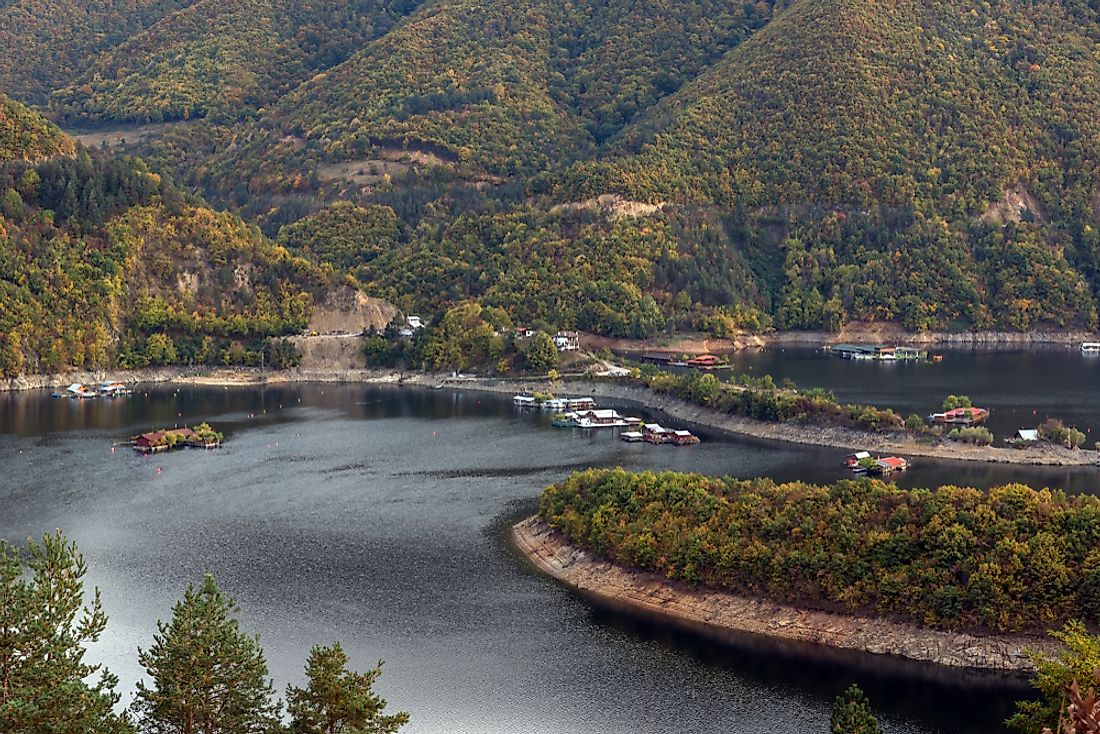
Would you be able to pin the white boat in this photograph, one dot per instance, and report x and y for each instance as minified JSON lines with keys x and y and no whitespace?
{"x":523,"y":401}
{"x":1090,"y":347}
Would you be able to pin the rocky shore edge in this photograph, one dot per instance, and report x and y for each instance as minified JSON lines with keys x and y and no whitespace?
{"x":653,"y":595}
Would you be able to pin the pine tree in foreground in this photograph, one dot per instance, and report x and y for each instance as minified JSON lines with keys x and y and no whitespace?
{"x":207,"y":676}
{"x":44,"y":628}
{"x":852,"y":714}
{"x":337,"y":700}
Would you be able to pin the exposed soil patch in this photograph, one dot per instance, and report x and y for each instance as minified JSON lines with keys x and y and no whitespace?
{"x":612,"y":205}
{"x":1017,"y":204}
{"x":125,"y":136}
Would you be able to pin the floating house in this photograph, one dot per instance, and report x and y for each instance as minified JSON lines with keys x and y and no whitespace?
{"x":889,"y":465}
{"x":162,"y":440}
{"x":961,"y":416}
{"x":113,"y":389}
{"x":76,"y":390}
{"x":632,"y":436}
{"x":683,"y":438}
{"x":202,"y":437}
{"x":557,"y":405}
{"x":657,"y":434}
{"x":879,"y":352}
{"x":704,"y":361}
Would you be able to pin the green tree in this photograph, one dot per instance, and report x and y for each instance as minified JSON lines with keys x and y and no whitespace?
{"x":160,"y":350}
{"x":337,"y":700}
{"x":11,"y":355}
{"x":1078,"y":660}
{"x":852,"y":714}
{"x":11,"y":204}
{"x":44,"y":628}
{"x":207,"y":676}
{"x":957,"y":401}
{"x":542,"y":355}
{"x":463,"y":339}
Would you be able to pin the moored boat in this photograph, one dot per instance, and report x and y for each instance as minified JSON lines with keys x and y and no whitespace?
{"x":857,"y":462}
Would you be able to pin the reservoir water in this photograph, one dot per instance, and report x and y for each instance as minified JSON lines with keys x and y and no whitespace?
{"x":1022,"y":387}
{"x":378,"y":516}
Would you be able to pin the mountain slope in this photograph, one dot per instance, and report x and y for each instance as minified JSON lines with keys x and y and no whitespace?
{"x":103,"y":263}
{"x":840,"y":102}
{"x":25,"y":135}
{"x":227,"y":56}
{"x":47,"y":43}
{"x":893,"y":141}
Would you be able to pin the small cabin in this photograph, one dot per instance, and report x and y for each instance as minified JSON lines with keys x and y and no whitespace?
{"x":600,"y":417}
{"x":703,"y":360}
{"x":683,"y":438}
{"x":158,"y":439}
{"x":961,"y":416}
{"x":890,"y":464}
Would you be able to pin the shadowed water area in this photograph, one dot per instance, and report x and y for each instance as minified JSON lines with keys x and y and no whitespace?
{"x":378,"y":516}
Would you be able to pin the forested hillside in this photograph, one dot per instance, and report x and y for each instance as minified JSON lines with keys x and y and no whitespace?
{"x":629,"y":167}
{"x":103,"y":263}
{"x":223,"y":56}
{"x":46,"y":43}
{"x":25,"y":135}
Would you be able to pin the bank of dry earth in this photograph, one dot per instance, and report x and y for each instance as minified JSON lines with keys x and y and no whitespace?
{"x":547,"y":550}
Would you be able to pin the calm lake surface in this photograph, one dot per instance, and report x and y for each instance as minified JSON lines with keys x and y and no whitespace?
{"x":378,"y":517}
{"x":1022,"y":387}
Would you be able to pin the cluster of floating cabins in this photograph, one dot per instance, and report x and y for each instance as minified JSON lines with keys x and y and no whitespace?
{"x":870,"y":351}
{"x":108,"y":389}
{"x":584,"y":413}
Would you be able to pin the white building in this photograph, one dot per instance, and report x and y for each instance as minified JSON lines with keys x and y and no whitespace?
{"x":567,"y":341}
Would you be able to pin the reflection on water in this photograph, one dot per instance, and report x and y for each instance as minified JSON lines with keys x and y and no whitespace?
{"x":377,"y":516}
{"x":1021,"y":386}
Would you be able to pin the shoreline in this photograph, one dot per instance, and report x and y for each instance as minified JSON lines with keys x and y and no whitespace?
{"x":851,"y":333}
{"x":792,"y":433}
{"x":547,"y":551}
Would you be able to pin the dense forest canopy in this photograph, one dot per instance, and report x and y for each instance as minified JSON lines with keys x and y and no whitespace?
{"x":26,"y":136}
{"x":48,"y":42}
{"x":105,"y":263}
{"x":222,"y":56}
{"x":1007,"y":559}
{"x":795,"y":165}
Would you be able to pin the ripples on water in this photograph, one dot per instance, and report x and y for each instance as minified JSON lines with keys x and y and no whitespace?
{"x":378,"y":517}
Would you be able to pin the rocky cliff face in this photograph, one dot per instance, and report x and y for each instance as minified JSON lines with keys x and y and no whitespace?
{"x":548,"y":551}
